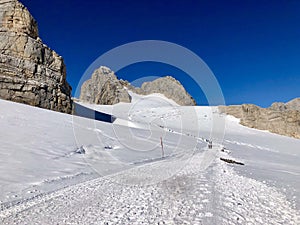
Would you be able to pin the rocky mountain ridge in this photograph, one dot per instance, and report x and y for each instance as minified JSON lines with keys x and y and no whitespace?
{"x":105,"y":88}
{"x":30,"y":72}
{"x":280,"y":118}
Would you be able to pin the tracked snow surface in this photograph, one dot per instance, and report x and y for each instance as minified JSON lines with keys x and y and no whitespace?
{"x":63,"y":169}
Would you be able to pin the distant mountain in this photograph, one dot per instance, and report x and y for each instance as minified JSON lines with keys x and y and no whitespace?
{"x":105,"y":88}
{"x":280,"y":118}
{"x":30,"y":72}
{"x":294,"y":104}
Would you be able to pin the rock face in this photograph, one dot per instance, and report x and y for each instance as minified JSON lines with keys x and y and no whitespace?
{"x":293,"y":104}
{"x":169,"y":87}
{"x":280,"y":118}
{"x":30,"y":72}
{"x":105,"y":88}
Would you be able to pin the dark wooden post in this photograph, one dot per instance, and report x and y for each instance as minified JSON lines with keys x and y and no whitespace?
{"x":162,"y":148}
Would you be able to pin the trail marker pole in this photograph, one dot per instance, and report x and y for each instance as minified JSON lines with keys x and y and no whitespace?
{"x":162,"y":148}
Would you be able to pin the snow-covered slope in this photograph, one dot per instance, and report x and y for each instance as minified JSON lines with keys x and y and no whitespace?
{"x":123,"y":179}
{"x":36,"y":147}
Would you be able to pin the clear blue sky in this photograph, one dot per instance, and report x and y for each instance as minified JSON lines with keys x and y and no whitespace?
{"x":253,"y":47}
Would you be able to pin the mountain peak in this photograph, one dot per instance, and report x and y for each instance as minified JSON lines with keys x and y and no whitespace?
{"x":104,"y":78}
{"x":294,"y":104}
{"x":14,"y":16}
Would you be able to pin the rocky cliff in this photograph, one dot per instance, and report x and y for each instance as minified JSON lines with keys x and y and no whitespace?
{"x":105,"y":88}
{"x":30,"y":72}
{"x":169,"y":87}
{"x":280,"y":118}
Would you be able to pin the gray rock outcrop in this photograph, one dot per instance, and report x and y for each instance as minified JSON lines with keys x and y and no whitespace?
{"x":169,"y":87}
{"x":105,"y":88}
{"x":280,"y":118}
{"x":293,"y":104}
{"x":30,"y":72}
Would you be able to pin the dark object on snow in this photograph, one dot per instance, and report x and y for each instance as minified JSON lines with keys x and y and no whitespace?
{"x":80,"y":150}
{"x":232,"y":161}
{"x":82,"y":111}
{"x":162,"y":148}
{"x":225,"y":150}
{"x":210,"y":145}
{"x":108,"y":147}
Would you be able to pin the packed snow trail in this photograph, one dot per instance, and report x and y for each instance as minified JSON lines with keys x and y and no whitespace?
{"x":189,"y":186}
{"x":196,"y":195}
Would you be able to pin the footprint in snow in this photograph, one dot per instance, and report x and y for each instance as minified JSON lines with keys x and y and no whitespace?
{"x":208,"y":214}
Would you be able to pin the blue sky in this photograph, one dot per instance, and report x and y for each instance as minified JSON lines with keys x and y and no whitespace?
{"x":252,"y":47}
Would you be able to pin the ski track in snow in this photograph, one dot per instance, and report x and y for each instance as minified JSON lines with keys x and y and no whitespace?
{"x":247,"y":201}
{"x":201,"y":193}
